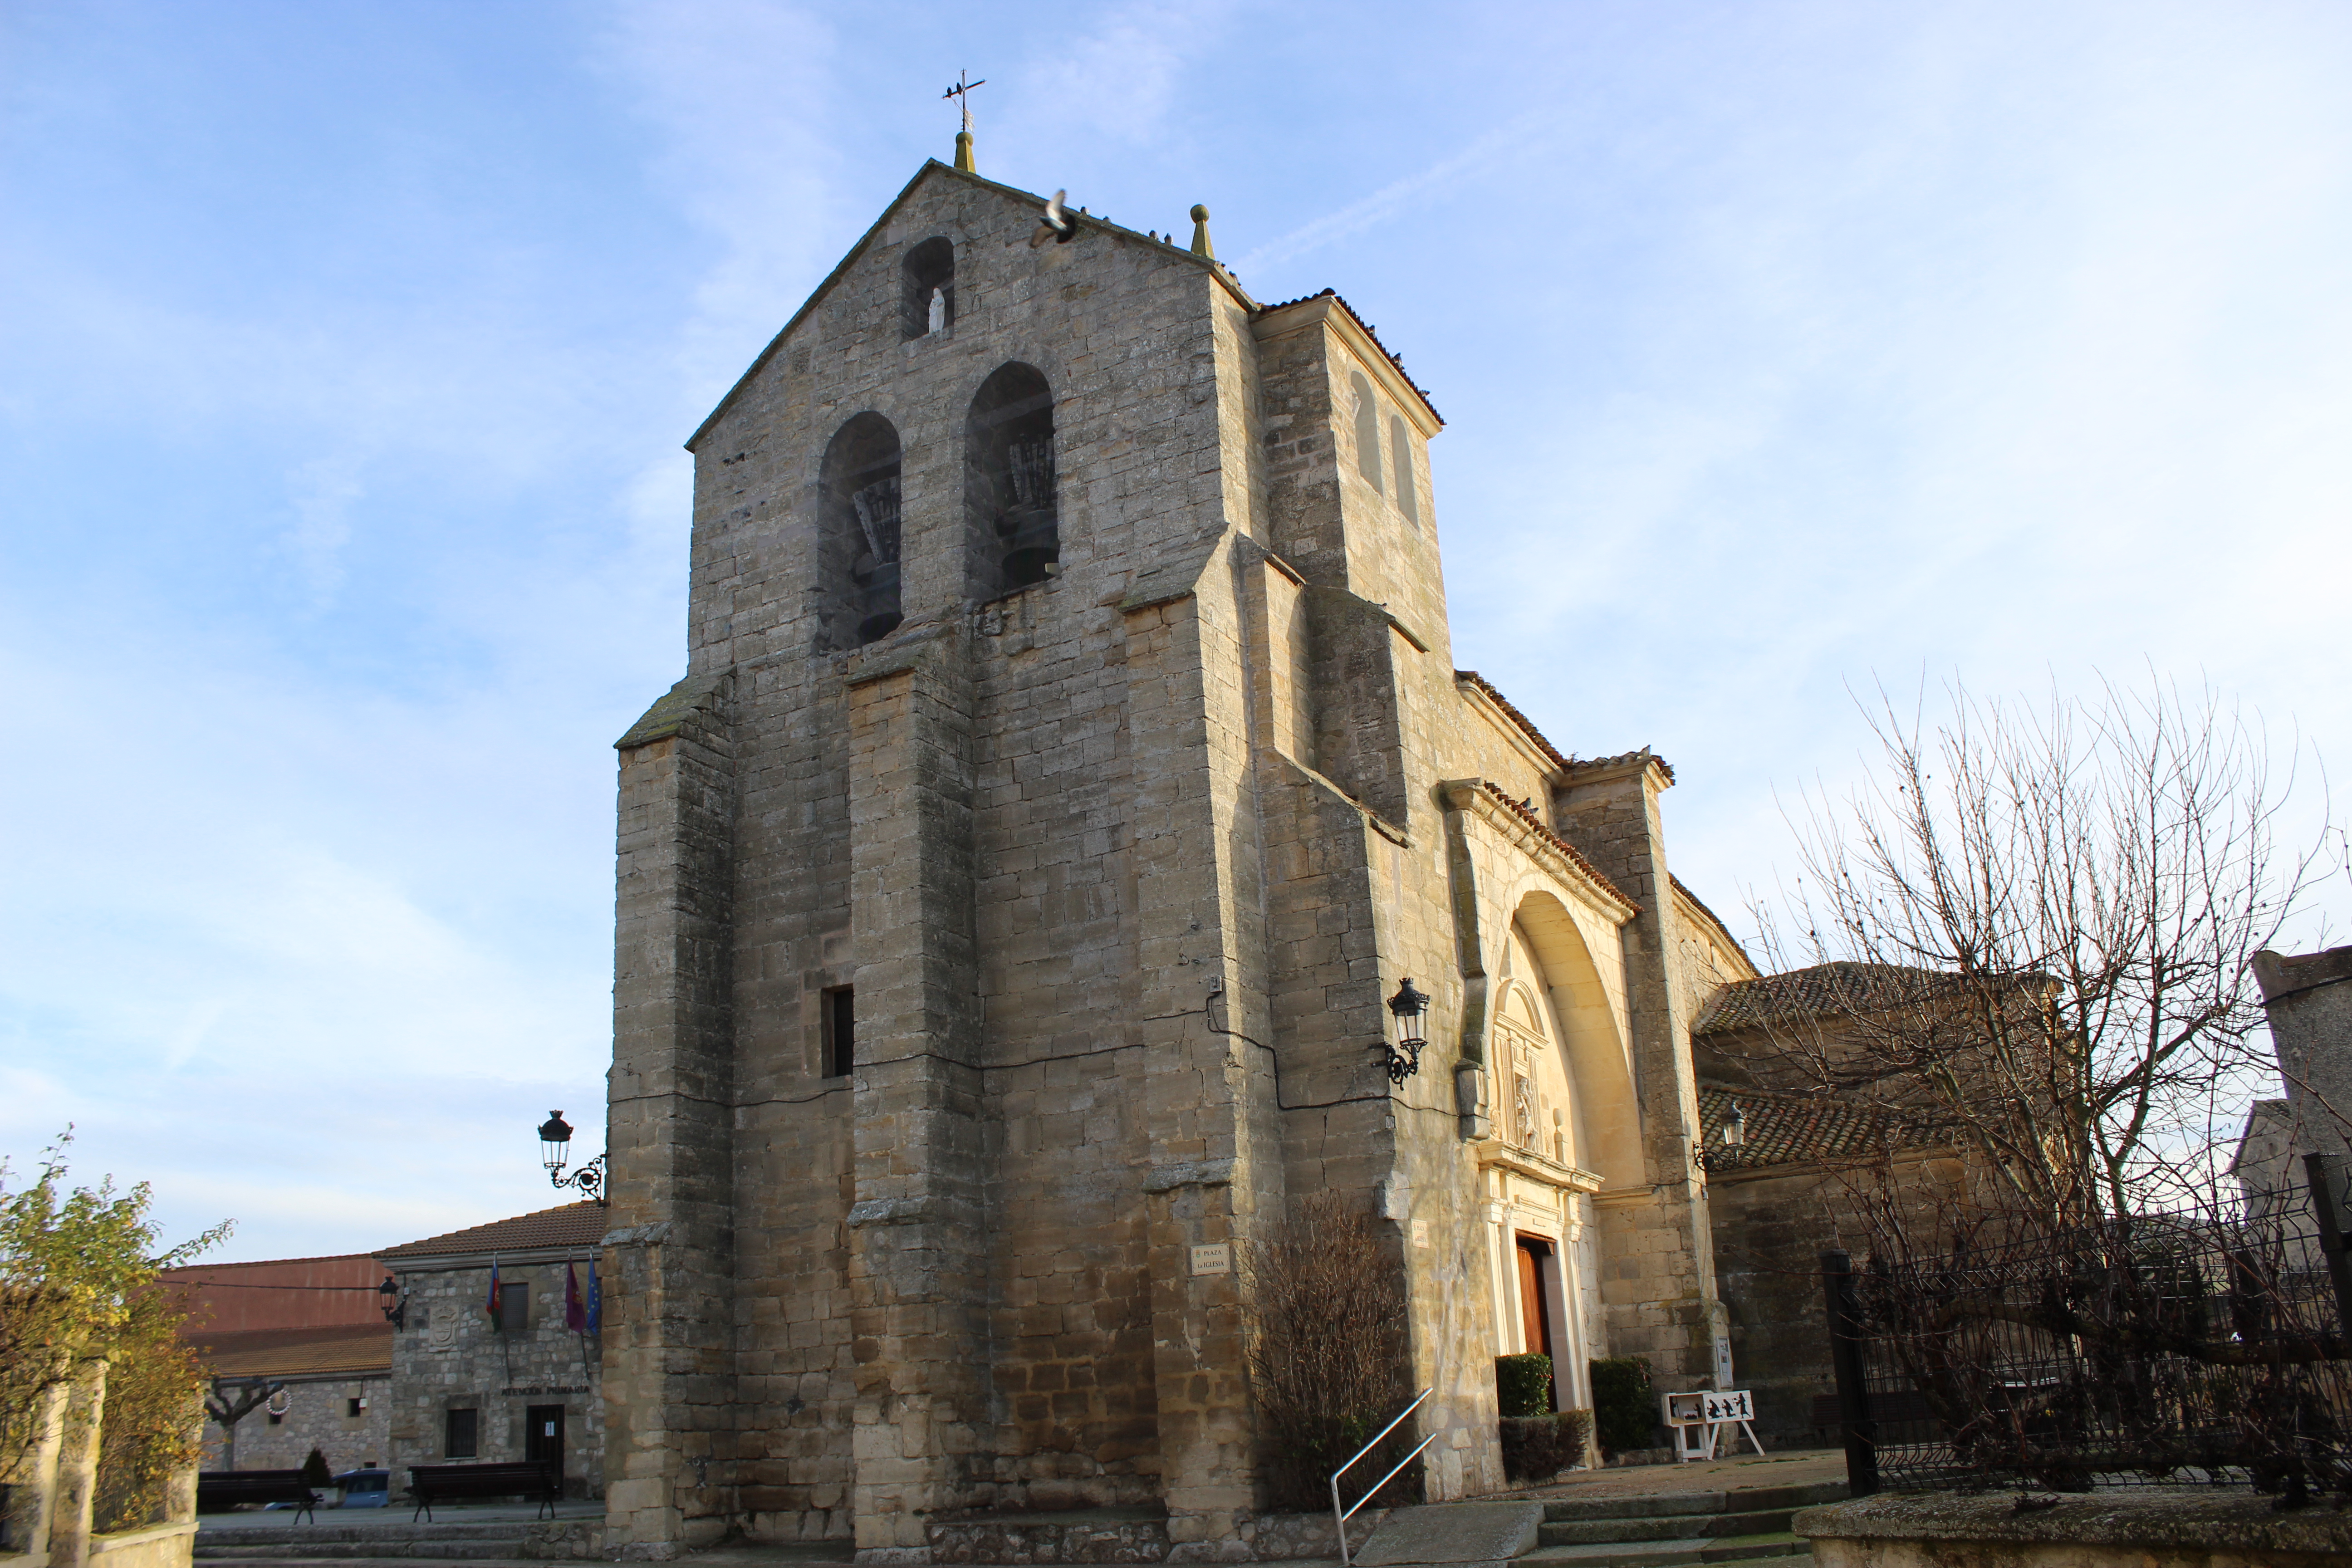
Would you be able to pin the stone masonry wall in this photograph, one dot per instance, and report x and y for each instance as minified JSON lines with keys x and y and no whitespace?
{"x":317,"y":1416}
{"x":449,"y":1357}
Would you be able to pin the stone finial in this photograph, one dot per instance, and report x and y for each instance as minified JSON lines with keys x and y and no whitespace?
{"x":1201,"y":245}
{"x":963,"y":152}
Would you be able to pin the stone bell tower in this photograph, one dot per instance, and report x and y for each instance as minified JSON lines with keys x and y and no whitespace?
{"x":1069,"y":761}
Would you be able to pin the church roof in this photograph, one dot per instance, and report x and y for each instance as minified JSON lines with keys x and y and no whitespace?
{"x":570,"y":1224}
{"x":932,"y":166}
{"x":1559,"y":759}
{"x":1797,"y":1130}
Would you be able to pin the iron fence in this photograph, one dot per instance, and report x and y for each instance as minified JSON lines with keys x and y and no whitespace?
{"x":2159,"y":1351}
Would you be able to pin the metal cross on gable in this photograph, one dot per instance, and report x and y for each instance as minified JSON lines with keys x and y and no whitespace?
{"x":962,"y":90}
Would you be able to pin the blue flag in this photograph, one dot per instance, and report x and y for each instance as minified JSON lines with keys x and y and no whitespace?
{"x":595,"y":1301}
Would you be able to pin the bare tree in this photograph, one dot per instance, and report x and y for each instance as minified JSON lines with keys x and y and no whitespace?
{"x":1327,"y":1353}
{"x":2033,"y":929}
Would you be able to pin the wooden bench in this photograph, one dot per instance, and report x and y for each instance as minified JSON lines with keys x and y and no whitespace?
{"x":446,"y":1483}
{"x":218,"y":1490}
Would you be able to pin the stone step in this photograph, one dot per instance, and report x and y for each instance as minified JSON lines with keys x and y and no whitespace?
{"x":1664,"y":1527}
{"x":1776,"y":1545}
{"x":580,"y":1538}
{"x":1654,"y":1505}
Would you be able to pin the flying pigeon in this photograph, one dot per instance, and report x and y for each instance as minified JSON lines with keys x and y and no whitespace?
{"x":1058,"y":225}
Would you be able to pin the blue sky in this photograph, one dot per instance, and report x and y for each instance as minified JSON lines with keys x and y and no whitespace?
{"x":347,"y":348}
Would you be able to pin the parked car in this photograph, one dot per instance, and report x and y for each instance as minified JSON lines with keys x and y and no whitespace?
{"x":365,"y":1488}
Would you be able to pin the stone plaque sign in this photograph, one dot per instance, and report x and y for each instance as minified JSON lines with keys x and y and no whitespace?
{"x":1217,"y":1258}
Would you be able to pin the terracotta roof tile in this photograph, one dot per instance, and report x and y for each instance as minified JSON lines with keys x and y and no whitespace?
{"x":572,"y":1225}
{"x":1797,"y":1130}
{"x":1528,"y":815}
{"x":1643,"y":755}
{"x":356,"y":1348}
{"x":1828,"y":990}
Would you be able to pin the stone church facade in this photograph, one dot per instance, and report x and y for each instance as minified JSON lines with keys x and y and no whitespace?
{"x":1070,"y":763}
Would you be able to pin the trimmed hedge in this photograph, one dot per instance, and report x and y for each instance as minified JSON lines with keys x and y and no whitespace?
{"x":1523,"y":1386}
{"x":1623,"y":1411}
{"x":1537,"y":1448}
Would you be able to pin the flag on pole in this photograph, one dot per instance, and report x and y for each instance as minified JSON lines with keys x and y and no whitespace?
{"x":595,"y":1300}
{"x":575,"y":1311}
{"x":491,"y":1306}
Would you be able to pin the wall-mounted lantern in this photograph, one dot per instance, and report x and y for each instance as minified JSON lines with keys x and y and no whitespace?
{"x":395,"y":1302}
{"x":1735,"y":1127}
{"x":1404,"y":1051}
{"x":555,"y":1149}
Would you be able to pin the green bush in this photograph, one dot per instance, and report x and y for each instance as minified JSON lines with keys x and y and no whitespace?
{"x":1575,"y":1435}
{"x":1623,"y":1410}
{"x":315,"y":1472}
{"x":1537,"y":1448}
{"x":1523,"y":1385}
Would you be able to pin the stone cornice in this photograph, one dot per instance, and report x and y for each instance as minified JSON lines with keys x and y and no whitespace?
{"x":1526,"y":832}
{"x":1493,"y":1154}
{"x":1511,"y":725}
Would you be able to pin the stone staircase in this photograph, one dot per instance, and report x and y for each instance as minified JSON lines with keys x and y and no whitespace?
{"x":579,"y":1539}
{"x":1666,"y":1529}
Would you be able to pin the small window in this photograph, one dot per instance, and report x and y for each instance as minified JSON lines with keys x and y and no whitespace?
{"x":514,"y":1308}
{"x":276,"y":1419}
{"x":461,"y":1441}
{"x":352,"y":1408}
{"x":1367,"y":432}
{"x":840,"y":1030}
{"x":926,"y":289}
{"x":1408,"y":495}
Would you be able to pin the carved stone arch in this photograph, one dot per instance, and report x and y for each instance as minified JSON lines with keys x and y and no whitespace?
{"x":858,"y":542}
{"x":1604,"y":1113}
{"x":1013,"y":533}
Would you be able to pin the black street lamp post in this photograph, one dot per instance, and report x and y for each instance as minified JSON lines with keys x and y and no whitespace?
{"x":555,"y":1149}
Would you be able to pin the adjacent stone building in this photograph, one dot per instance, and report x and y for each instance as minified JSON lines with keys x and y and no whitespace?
{"x":2308,"y":999}
{"x":314,"y":1325}
{"x":1070,"y":766}
{"x":521,"y":1386}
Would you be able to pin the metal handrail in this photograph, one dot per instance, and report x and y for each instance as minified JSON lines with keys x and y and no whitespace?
{"x":1341,"y":1520}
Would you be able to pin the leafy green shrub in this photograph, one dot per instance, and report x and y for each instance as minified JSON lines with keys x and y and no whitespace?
{"x":1575,"y":1435}
{"x":1523,"y":1385}
{"x":1623,"y":1410}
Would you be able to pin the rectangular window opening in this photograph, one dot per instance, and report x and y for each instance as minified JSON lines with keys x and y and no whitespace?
{"x":840,"y":1031}
{"x":514,"y":1307}
{"x":464,"y":1425}
{"x":352,"y":1408}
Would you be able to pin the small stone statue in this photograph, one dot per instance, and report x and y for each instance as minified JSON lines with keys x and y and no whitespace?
{"x":939,"y":311}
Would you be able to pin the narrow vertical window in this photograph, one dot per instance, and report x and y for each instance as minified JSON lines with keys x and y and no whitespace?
{"x":1367,"y":432}
{"x":460,"y":1434}
{"x":840,"y":1031}
{"x":1408,"y":496}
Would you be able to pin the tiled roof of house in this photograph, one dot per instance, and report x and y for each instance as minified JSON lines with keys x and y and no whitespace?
{"x":570,"y":1225}
{"x":1829,"y":990}
{"x":356,"y":1348}
{"x":1797,"y":1130}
